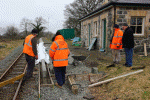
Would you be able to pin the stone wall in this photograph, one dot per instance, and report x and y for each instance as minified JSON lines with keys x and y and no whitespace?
{"x":110,"y":27}
{"x":123,"y":15}
{"x":139,"y":44}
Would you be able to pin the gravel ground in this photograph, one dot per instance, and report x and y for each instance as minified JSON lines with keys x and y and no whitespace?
{"x":65,"y":93}
{"x":30,"y":89}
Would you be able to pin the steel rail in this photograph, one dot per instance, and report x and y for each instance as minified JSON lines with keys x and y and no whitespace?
{"x":10,"y":76}
{"x":39,"y":83}
{"x":9,"y":68}
{"x":18,"y":88}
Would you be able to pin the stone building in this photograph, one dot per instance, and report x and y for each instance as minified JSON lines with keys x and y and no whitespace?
{"x":99,"y":23}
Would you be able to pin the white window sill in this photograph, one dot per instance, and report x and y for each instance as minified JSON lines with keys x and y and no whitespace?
{"x":138,"y":35}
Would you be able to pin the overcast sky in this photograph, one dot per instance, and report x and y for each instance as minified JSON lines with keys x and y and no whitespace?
{"x":12,"y":11}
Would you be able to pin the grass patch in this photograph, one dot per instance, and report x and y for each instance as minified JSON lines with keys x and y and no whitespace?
{"x":69,"y":42}
{"x":131,"y":87}
{"x":146,"y":95}
{"x":118,"y":71}
{"x":132,"y":79}
{"x":9,"y":46}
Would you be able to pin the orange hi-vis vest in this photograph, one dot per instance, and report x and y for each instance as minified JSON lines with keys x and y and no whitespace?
{"x":117,"y":40}
{"x":28,"y":46}
{"x":59,"y":52}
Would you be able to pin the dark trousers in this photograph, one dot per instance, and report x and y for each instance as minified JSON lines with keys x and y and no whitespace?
{"x":31,"y":64}
{"x":60,"y":75}
{"x":129,"y":55}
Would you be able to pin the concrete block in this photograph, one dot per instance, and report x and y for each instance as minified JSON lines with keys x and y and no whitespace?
{"x":70,"y":60}
{"x":94,"y":70}
{"x":74,"y":87}
{"x":44,"y":70}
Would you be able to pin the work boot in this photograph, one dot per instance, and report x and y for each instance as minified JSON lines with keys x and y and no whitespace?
{"x":112,"y":65}
{"x":36,"y":69}
{"x":23,"y":80}
{"x":117,"y":62}
{"x":128,"y":66}
{"x":58,"y":85}
{"x":114,"y":62}
{"x":125,"y":64}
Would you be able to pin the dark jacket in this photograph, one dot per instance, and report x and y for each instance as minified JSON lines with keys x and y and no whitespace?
{"x":53,"y":38}
{"x":128,"y":38}
{"x":34,"y":45}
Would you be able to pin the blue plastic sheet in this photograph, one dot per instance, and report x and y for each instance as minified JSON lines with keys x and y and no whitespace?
{"x":75,"y":39}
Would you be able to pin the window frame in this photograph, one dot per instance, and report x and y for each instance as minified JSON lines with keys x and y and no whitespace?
{"x":103,"y":1}
{"x":143,"y":22}
{"x":85,"y":31}
{"x":95,"y":29}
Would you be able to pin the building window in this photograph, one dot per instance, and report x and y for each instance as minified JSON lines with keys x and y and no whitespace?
{"x":84,"y":29}
{"x":137,"y":24}
{"x":95,"y":28}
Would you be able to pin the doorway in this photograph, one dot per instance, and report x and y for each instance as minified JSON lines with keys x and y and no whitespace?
{"x":103,"y":34}
{"x":89,"y":33}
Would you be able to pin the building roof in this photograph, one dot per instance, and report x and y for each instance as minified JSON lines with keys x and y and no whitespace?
{"x":133,"y":1}
{"x":145,"y":3}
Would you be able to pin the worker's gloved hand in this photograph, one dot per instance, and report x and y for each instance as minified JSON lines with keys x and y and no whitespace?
{"x":36,"y":57}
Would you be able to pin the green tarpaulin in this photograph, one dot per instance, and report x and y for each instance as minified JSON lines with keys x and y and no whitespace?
{"x":67,"y":33}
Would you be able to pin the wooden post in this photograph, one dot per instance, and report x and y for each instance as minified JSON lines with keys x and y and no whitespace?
{"x":134,"y":68}
{"x":74,"y":88}
{"x":145,"y":50}
{"x":102,"y":82}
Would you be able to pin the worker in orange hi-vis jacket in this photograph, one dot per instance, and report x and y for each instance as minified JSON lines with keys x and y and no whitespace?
{"x":116,"y":44}
{"x":59,"y":53}
{"x":30,"y":51}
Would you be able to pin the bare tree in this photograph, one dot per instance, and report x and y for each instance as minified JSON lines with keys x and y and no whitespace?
{"x":38,"y":24}
{"x":78,"y":9}
{"x":25,"y":25}
{"x":11,"y":32}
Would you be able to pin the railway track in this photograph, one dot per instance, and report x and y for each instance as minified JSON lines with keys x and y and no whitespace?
{"x":12,"y":89}
{"x":14,"y":75}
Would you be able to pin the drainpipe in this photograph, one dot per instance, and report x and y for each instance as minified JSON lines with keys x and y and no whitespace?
{"x":114,"y":14}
